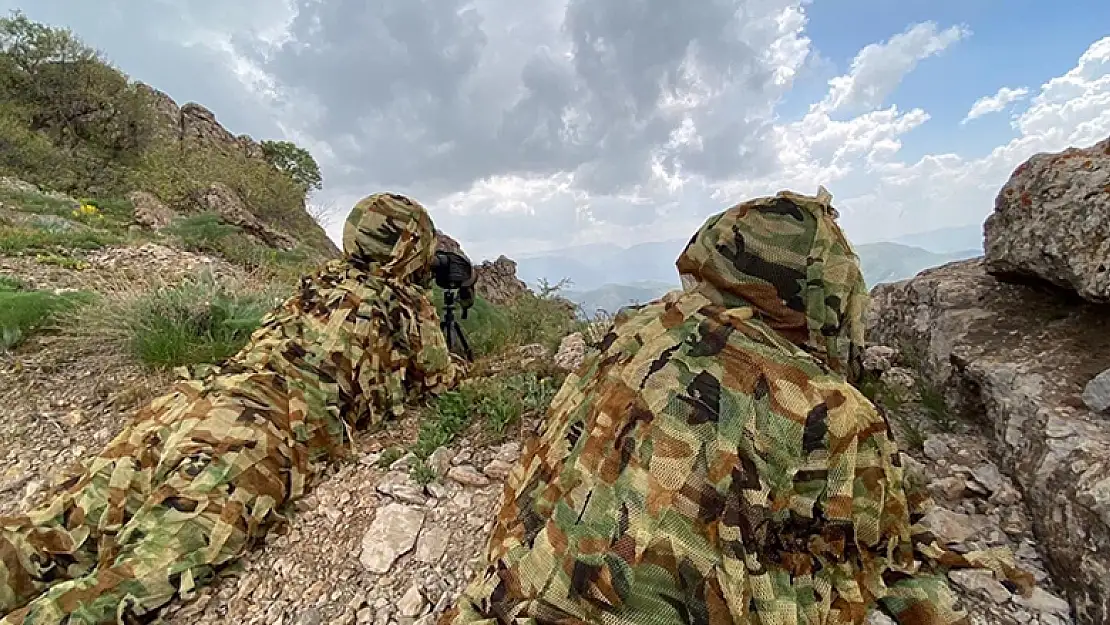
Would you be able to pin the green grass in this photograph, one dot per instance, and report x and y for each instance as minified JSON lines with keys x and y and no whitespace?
{"x":497,"y":402}
{"x":114,"y":214}
{"x":200,"y":321}
{"x":15,"y":239}
{"x":10,"y":283}
{"x":65,"y":262}
{"x":23,"y":313}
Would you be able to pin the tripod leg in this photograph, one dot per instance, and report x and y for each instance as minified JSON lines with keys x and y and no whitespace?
{"x":465,"y":343}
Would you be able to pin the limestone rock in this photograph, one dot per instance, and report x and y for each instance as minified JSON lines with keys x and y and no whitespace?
{"x":1096,"y":394}
{"x":1052,"y":221}
{"x":467,"y":476}
{"x":1015,"y":358}
{"x":412,"y":602}
{"x":150,"y":211}
{"x":572,"y":351}
{"x":392,"y":534}
{"x":224,"y":201}
{"x":497,"y":281}
{"x":878,"y":358}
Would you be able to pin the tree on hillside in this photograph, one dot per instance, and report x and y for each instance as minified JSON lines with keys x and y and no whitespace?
{"x":295,"y":162}
{"x":53,"y":84}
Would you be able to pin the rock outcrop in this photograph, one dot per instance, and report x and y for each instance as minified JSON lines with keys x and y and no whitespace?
{"x":1018,"y":342}
{"x":1052,"y":222}
{"x":222,"y":200}
{"x":194,"y":127}
{"x":1015,"y":359}
{"x":496,"y":281}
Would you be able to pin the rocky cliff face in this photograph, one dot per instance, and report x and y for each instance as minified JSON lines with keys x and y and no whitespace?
{"x":1015,"y":357}
{"x":193,"y":126}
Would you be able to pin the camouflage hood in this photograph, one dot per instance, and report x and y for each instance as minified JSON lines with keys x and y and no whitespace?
{"x":391,"y":236}
{"x":786,"y":257}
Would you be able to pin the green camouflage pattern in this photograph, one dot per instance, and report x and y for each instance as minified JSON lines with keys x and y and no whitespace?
{"x":201,"y":472}
{"x":711,"y":464}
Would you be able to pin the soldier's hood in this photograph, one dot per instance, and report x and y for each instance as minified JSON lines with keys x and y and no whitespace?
{"x":391,"y":236}
{"x":786,"y":257}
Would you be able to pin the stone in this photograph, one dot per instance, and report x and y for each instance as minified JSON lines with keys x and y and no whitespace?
{"x":392,"y":534}
{"x":936,"y":449}
{"x":948,"y":526}
{"x":1096,"y":394}
{"x":949,"y":488}
{"x":467,"y":476}
{"x":150,"y":212}
{"x":1044,"y":602}
{"x":982,"y":583}
{"x":1051,"y":221}
{"x":1013,"y":357}
{"x":988,"y":475}
{"x":440,"y":461}
{"x":310,"y":616}
{"x":412,"y":602}
{"x":571,"y":352}
{"x":497,"y":281}
{"x":225,"y":202}
{"x":878,"y":358}
{"x":432,"y":544}
{"x":497,"y":469}
{"x":899,"y":379}
{"x":404,"y":463}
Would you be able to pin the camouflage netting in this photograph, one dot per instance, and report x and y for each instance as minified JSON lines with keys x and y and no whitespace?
{"x":712,"y":464}
{"x":204,"y":470}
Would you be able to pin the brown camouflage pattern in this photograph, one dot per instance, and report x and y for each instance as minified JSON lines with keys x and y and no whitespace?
{"x":202,"y":472}
{"x":712,"y":465}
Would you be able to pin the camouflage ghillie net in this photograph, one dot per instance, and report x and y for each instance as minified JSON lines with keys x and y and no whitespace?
{"x":202,"y":471}
{"x":713,"y":465}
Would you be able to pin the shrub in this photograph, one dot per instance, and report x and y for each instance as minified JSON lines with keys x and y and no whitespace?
{"x":22,"y":313}
{"x":200,"y":321}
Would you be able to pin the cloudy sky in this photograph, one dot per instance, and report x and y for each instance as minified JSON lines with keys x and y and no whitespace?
{"x":550,"y":123}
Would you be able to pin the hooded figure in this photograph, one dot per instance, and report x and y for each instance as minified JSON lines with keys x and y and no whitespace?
{"x":713,"y":463}
{"x":202,"y":471}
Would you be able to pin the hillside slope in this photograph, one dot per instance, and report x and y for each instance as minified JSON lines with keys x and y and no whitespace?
{"x":72,"y":123}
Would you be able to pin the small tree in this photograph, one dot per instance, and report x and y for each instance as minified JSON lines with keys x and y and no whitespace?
{"x":295,"y":162}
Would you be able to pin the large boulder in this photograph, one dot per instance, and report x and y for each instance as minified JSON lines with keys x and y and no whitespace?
{"x":150,"y":211}
{"x":1052,"y":222}
{"x":1016,"y":358}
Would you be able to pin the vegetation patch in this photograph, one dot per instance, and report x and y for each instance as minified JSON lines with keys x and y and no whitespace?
{"x":71,"y":122}
{"x":20,"y":239}
{"x":25,"y":312}
{"x":494,"y":402}
{"x":200,"y":321}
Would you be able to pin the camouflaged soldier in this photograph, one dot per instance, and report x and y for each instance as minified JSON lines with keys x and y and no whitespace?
{"x":713,"y":463}
{"x":203,"y":470}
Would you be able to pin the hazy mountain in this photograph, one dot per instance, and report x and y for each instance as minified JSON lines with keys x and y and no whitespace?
{"x":958,"y":239}
{"x":611,"y":297}
{"x":596,"y":266}
{"x":609,"y":276}
{"x":891,"y":262}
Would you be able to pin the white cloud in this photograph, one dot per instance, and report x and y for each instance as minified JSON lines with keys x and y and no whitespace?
{"x":995,"y":103}
{"x":880,"y":67}
{"x":571,"y":121}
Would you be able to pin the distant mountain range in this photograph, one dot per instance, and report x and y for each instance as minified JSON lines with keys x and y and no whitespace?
{"x":607,"y":276}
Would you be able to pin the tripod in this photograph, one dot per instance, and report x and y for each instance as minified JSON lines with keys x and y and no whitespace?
{"x":451,"y":328}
